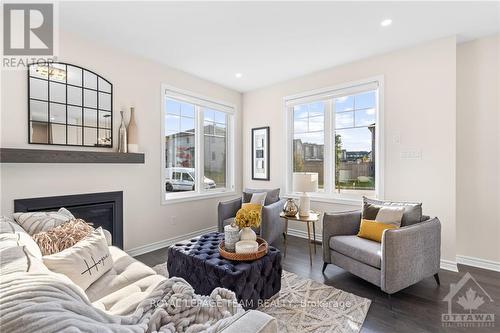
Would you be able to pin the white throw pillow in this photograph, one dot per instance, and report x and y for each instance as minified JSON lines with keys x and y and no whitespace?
{"x":390,"y":215}
{"x":258,"y":198}
{"x":35,"y":222}
{"x":84,"y":262}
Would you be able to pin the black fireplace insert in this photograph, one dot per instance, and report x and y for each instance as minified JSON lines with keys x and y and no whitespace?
{"x":103,"y":209}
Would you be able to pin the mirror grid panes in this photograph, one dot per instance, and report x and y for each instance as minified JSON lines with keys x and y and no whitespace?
{"x":69,"y":105}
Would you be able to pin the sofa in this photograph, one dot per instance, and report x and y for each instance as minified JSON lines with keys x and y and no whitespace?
{"x":115,"y":295}
{"x":271,"y":227}
{"x":405,"y":256}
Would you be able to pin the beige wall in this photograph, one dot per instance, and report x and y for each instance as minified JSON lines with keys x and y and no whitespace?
{"x":420,"y":98}
{"x":421,"y":95}
{"x":137,"y":82}
{"x":478,"y":148}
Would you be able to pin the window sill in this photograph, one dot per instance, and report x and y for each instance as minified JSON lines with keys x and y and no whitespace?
{"x":185,"y":197}
{"x":350,"y":201}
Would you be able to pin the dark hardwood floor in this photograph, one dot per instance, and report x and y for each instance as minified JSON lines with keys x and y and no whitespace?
{"x":415,"y":309}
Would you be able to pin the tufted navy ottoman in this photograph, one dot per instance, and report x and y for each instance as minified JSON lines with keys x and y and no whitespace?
{"x":199,"y":263}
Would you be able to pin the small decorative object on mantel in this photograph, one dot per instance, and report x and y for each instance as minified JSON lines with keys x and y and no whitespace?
{"x":231,"y":236}
{"x":122,"y":136}
{"x":260,"y":153}
{"x":290,"y":208}
{"x":133,"y":147}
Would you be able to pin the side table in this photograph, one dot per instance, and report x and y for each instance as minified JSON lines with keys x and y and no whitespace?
{"x":311,"y":219}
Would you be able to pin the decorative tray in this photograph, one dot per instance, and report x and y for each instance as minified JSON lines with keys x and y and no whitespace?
{"x":261,"y":251}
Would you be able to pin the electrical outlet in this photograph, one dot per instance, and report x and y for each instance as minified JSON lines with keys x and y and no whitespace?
{"x":396,"y":139}
{"x":411,"y":155}
{"x":173,"y":220}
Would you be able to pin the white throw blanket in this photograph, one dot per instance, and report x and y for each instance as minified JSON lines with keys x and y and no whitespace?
{"x":43,"y":302}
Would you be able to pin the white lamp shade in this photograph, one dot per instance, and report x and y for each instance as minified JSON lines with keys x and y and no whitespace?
{"x":305,"y":181}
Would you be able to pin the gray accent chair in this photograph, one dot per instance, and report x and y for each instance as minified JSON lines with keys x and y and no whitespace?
{"x":271,"y":227}
{"x":404,"y":257}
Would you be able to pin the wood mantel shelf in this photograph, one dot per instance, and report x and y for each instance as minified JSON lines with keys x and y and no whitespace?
{"x":17,"y":155}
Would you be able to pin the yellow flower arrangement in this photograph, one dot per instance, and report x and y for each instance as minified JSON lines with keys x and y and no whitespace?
{"x":248,"y":216}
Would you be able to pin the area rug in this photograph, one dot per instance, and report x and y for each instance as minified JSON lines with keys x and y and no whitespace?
{"x":304,"y":305}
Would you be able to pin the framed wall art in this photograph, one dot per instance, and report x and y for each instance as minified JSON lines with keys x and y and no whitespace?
{"x":260,"y":153}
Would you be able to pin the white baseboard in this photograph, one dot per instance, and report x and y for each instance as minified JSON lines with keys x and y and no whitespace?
{"x":303,"y":234}
{"x":449,"y":265}
{"x":478,"y":262}
{"x":168,"y":242}
{"x":445,"y":264}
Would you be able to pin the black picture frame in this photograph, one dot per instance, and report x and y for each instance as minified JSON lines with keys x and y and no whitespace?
{"x":83,"y":107}
{"x":261,"y":154}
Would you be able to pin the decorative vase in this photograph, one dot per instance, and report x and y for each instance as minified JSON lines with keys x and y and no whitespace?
{"x":122,"y":136}
{"x":290,"y":209}
{"x":133,"y":147}
{"x":247,"y":233}
{"x":231,"y":236}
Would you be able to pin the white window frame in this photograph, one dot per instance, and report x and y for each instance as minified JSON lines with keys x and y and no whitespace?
{"x":198,"y":100}
{"x":329,"y":93}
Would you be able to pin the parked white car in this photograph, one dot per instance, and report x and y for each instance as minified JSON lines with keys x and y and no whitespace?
{"x":183,"y":179}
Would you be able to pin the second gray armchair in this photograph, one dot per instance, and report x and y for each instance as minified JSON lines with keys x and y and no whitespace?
{"x":404,"y":257}
{"x":271,"y":227}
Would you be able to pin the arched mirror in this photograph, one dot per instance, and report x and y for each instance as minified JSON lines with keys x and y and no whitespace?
{"x":69,"y":105}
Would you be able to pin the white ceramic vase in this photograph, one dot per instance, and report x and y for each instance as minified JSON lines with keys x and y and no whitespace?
{"x":247,"y":233}
{"x":132,"y":146}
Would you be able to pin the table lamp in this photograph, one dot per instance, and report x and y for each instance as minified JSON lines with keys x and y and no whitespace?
{"x":305,"y":182}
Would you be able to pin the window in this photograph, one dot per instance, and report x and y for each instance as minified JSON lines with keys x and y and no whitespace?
{"x":196,"y":145}
{"x":215,"y":146}
{"x":309,"y":139}
{"x":336,"y":134}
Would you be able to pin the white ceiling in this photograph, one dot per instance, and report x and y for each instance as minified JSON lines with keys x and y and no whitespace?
{"x":271,"y":42}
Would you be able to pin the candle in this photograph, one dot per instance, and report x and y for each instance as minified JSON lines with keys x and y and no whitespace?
{"x":247,"y":246}
{"x":231,"y":236}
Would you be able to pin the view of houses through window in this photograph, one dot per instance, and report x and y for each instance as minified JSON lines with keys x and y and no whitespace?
{"x":309,"y":139}
{"x":181,"y":122}
{"x":215,"y":123}
{"x":353,"y":123}
{"x":355,"y":117}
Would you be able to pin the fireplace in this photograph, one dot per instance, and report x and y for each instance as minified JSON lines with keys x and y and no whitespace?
{"x":103,"y":209}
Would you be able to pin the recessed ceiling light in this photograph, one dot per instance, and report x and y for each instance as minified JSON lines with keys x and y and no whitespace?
{"x":386,"y":22}
{"x":238,"y":75}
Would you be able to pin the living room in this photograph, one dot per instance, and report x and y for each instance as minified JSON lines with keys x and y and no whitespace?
{"x":329,"y":116}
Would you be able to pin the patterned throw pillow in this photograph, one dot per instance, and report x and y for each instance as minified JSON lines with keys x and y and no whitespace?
{"x":35,"y":222}
{"x":63,"y":236}
{"x":84,"y":262}
{"x":11,"y":234}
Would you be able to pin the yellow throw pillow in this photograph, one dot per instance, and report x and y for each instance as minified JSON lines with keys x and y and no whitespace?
{"x":373,"y":230}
